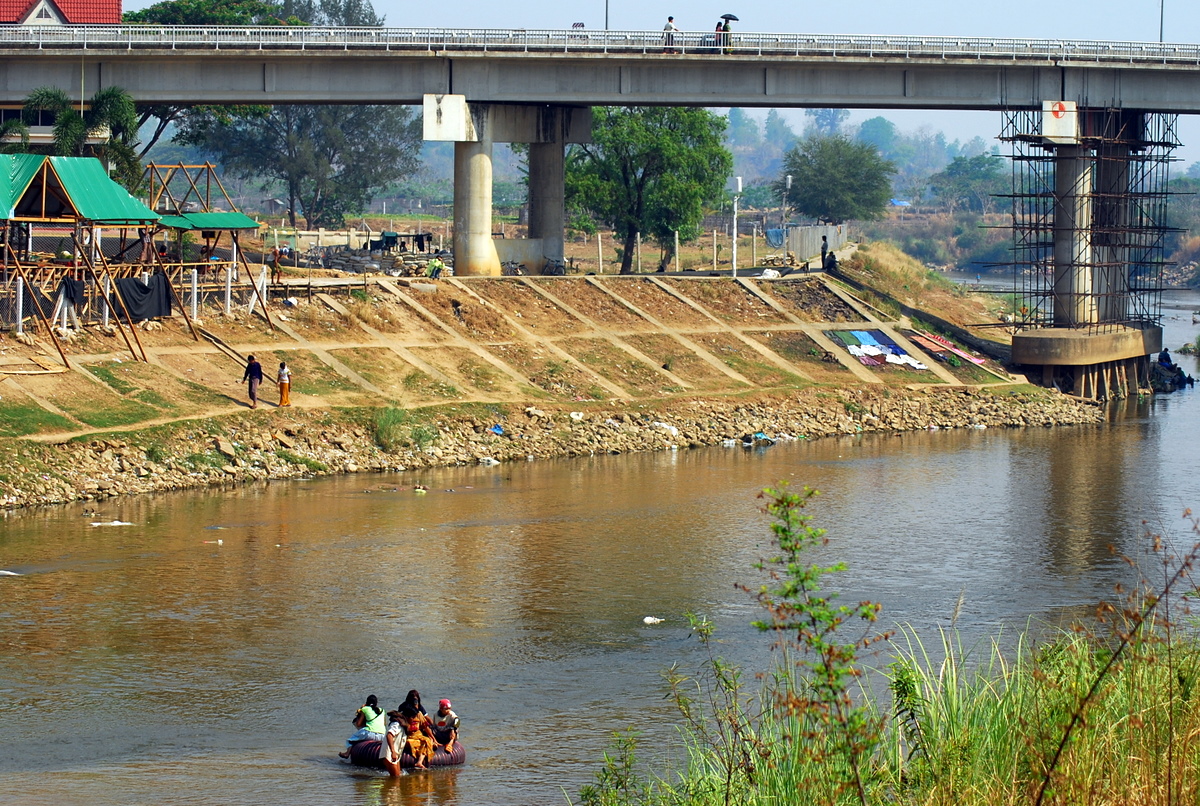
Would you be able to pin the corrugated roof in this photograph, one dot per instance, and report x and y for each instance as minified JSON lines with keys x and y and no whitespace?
{"x":95,"y":196}
{"x":16,"y":171}
{"x":201,"y":221}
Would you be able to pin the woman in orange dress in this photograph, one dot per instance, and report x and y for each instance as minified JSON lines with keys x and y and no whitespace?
{"x":420,"y":736}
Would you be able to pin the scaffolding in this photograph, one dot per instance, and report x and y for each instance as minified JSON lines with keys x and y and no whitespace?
{"x":1089,"y":219}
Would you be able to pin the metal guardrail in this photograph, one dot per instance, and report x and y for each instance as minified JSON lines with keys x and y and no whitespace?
{"x":444,"y":41}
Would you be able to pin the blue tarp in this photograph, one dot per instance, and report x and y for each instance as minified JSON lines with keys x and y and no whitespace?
{"x":774,"y":238}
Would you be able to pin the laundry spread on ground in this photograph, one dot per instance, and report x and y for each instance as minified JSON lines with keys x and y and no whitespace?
{"x":874,"y":348}
{"x":937,"y":344}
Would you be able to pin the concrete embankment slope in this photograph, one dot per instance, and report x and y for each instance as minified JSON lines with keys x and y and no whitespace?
{"x":389,"y":376}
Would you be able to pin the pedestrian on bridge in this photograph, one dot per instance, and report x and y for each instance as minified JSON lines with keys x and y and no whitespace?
{"x":669,"y":31}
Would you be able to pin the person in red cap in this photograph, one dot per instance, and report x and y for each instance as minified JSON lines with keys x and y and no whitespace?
{"x":445,"y":726}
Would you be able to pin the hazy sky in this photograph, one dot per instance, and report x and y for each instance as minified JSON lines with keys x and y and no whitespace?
{"x":1040,"y":19}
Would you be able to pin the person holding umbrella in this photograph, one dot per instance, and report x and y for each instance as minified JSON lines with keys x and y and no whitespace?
{"x":724,"y":37}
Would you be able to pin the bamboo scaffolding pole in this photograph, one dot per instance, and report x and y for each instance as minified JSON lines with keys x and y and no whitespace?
{"x":254,"y":285}
{"x":128,"y":318}
{"x":178,"y":300}
{"x":38,"y":308}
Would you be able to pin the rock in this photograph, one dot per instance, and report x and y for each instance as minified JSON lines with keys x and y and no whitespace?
{"x":225,"y":448}
{"x":286,"y":441}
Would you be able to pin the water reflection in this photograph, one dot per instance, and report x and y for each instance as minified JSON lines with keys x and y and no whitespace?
{"x":229,"y":673}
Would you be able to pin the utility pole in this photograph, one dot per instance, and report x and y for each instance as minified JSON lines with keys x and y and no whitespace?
{"x":736,"y":196}
{"x":787,"y":188}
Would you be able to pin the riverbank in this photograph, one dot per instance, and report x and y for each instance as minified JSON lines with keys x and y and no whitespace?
{"x":292,"y":443}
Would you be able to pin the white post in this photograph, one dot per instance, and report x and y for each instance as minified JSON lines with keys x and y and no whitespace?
{"x":676,"y":251}
{"x":261,"y":285}
{"x":228,"y":290}
{"x":714,"y":250}
{"x":21,"y":305}
{"x":107,"y":297}
{"x":733,"y":255}
{"x":754,"y":245}
{"x":639,"y":253}
{"x":787,"y":188}
{"x":195,"y":291}
{"x":599,"y":254}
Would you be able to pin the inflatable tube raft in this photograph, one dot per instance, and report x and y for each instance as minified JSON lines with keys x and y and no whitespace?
{"x":366,"y":754}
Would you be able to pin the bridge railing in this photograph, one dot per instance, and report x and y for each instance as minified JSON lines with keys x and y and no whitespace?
{"x":581,"y":41}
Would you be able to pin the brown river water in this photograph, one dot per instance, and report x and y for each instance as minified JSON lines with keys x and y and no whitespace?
{"x":148,"y":664}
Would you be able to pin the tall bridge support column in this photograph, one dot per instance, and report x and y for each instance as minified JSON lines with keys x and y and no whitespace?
{"x":1073,"y":302}
{"x":474,"y":251}
{"x":473,"y":128}
{"x":547,"y":209}
{"x":1106,"y":210}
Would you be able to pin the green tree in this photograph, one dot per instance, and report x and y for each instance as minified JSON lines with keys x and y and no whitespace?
{"x":206,"y":12}
{"x":106,"y":129}
{"x":969,"y":183}
{"x":330,"y":159}
{"x":649,"y":170}
{"x":826,"y":122}
{"x":777,"y":131}
{"x":744,"y":131}
{"x":881,"y":133}
{"x":836,"y":179}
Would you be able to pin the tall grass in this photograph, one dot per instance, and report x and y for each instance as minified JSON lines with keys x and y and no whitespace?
{"x":1105,"y":715}
{"x":397,"y":428}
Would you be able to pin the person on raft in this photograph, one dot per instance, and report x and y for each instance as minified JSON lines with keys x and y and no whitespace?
{"x":370,"y":723}
{"x":445,"y":726}
{"x":392,"y":747}
{"x":420,"y":741}
{"x":414,"y":699}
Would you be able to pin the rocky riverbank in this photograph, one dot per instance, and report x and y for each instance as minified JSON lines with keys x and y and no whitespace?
{"x":291,"y":443}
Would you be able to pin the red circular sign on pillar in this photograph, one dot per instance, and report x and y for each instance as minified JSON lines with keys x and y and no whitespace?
{"x":1059,"y":109}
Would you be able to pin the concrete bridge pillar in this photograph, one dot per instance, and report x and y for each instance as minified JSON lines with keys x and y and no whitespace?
{"x":473,"y":128}
{"x":1074,"y":305}
{"x":474,"y":252}
{"x":547,"y":210}
{"x":1111,"y":243}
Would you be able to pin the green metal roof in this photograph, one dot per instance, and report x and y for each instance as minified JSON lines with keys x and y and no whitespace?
{"x":95,"y":196}
{"x":201,"y":221}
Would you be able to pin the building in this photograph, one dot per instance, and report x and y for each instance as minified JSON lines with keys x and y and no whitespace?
{"x":60,"y":12}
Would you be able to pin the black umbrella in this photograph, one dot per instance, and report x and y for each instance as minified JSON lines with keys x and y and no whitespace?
{"x":732,"y":17}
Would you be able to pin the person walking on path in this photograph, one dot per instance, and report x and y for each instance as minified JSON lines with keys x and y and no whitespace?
{"x":669,"y":31}
{"x":824,"y":249}
{"x":284,"y":379}
{"x":254,"y":376}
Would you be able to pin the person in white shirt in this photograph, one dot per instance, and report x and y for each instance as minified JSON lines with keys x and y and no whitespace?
{"x":669,"y":31}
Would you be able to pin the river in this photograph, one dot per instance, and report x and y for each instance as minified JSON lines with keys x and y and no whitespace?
{"x":151,"y":663}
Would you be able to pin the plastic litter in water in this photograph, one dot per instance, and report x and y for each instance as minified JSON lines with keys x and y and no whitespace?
{"x":652,"y":620}
{"x":112,"y":523}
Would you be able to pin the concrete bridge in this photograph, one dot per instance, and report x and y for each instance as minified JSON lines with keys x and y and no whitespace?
{"x":282,"y":64}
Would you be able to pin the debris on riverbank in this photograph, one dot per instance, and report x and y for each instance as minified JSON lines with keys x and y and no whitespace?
{"x":292,"y":443}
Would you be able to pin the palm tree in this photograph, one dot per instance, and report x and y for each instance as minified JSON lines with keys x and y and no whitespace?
{"x":110,"y":116}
